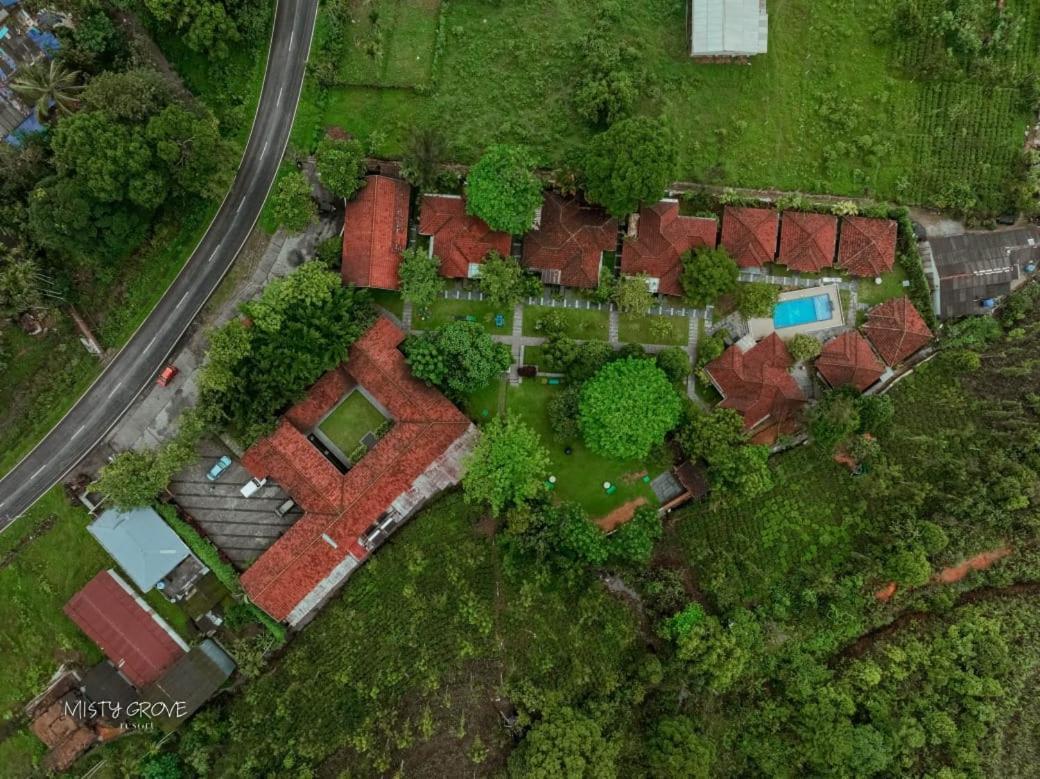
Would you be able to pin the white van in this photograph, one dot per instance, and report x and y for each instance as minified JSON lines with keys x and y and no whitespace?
{"x":250,"y":487}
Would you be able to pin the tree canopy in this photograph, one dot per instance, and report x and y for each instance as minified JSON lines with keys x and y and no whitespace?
{"x":630,"y":164}
{"x":757,"y":298}
{"x":459,"y":358}
{"x":503,"y":190}
{"x":341,"y":165}
{"x":707,"y":275}
{"x":507,"y":467}
{"x":564,"y":743}
{"x":421,"y":280}
{"x":632,"y":295}
{"x":503,"y":281}
{"x":621,"y":392}
{"x":291,"y":204}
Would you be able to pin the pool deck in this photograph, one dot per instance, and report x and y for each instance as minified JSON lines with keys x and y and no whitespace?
{"x":760,"y":327}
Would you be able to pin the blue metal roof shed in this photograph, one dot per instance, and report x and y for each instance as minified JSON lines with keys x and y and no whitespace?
{"x":141,"y":543}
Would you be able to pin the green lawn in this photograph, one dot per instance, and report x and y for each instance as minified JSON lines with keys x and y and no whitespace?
{"x":580,"y":474}
{"x":392,"y":43}
{"x":582,"y":324}
{"x":831,"y":108}
{"x":891,"y":286}
{"x":350,"y":421}
{"x":671,"y":330}
{"x":172,"y":613}
{"x":34,"y":586}
{"x":482,"y":405}
{"x":390,"y":300}
{"x":444,"y":311}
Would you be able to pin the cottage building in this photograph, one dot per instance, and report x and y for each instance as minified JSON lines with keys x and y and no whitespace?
{"x":848,"y":360}
{"x":375,"y":232}
{"x":750,"y":235}
{"x":567,"y":242}
{"x":658,"y":237}
{"x":459,"y":240}
{"x":728,"y":29}
{"x":867,"y":246}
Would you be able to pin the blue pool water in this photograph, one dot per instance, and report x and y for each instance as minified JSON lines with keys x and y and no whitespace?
{"x":789,"y":313}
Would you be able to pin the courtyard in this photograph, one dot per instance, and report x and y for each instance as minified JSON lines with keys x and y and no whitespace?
{"x":355,"y":421}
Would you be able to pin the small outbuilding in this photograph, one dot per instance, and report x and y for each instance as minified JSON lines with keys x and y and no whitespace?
{"x":849,"y":361}
{"x":190,"y":681}
{"x":897,"y":330}
{"x":728,"y":29}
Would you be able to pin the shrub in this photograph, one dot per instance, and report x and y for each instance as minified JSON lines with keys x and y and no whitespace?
{"x":757,"y":299}
{"x":804,"y":347}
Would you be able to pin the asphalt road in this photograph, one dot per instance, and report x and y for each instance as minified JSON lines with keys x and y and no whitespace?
{"x":137,"y":364}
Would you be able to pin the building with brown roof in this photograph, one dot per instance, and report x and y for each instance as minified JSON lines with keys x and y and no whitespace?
{"x":661,"y":237}
{"x":867,"y":246}
{"x":347,"y":515}
{"x":808,"y":241}
{"x":60,"y":718}
{"x":375,"y":232}
{"x":754,"y":380}
{"x":460,"y":241}
{"x":567,"y":243}
{"x":137,"y":640}
{"x":750,"y":235}
{"x":897,"y":330}
{"x":849,"y":361}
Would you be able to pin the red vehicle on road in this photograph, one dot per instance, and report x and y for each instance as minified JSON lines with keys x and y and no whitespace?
{"x":166,"y":375}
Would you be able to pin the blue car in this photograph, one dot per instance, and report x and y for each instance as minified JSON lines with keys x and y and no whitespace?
{"x":218,"y":468}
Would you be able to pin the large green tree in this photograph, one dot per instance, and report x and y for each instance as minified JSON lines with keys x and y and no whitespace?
{"x":503,"y":190}
{"x":421,"y":280}
{"x":627,"y":408}
{"x":204,"y":25}
{"x":565,"y":743}
{"x":503,"y":281}
{"x":630,"y":164}
{"x":48,"y":86}
{"x":707,"y":275}
{"x":507,"y":467}
{"x":459,"y":357}
{"x":292,"y":205}
{"x":19,"y":282}
{"x":632,"y":295}
{"x":757,"y":298}
{"x":341,"y":165}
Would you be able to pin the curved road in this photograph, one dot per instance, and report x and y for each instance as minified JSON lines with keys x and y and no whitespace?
{"x":136,"y":365}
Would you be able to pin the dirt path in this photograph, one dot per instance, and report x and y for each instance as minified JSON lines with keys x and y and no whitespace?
{"x":620,"y":515}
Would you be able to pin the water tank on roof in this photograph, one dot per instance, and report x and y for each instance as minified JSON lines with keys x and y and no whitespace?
{"x":988,"y":303}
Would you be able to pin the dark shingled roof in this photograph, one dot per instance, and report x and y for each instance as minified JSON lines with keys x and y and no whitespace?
{"x":192,"y":680}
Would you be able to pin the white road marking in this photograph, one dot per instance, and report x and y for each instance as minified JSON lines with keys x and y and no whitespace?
{"x":115,"y":389}
{"x":240,"y":207}
{"x":78,"y":431}
{"x":184,"y":298}
{"x":38,"y":472}
{"x":280,"y":95}
{"x":152,"y":341}
{"x":292,"y":40}
{"x":265,"y":149}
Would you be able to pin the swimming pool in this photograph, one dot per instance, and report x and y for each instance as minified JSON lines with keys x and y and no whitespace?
{"x":802,"y":311}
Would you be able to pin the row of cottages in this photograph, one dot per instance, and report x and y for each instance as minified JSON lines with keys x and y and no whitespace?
{"x":755,"y":379}
{"x":349,"y":512}
{"x":569,"y":238}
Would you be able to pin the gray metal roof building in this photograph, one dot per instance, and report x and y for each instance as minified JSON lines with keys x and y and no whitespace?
{"x":141,"y":543}
{"x":976,"y":268}
{"x":191,"y":680}
{"x":728,"y":28}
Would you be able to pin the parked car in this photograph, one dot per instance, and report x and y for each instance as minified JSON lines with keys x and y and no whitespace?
{"x":166,"y":375}
{"x":251,"y":486}
{"x":285,"y":508}
{"x":218,"y":468}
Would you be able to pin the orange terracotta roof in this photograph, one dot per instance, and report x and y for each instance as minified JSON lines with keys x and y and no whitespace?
{"x":458,"y":238}
{"x":756,"y":382}
{"x":339,"y":508}
{"x":848,"y":360}
{"x":896,"y":329}
{"x":663,"y":237}
{"x":375,"y":232}
{"x":137,"y":641}
{"x":808,"y":241}
{"x":868,"y":246}
{"x":750,"y":234}
{"x":570,"y":238}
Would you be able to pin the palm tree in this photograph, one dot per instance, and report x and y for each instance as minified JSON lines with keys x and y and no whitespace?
{"x":48,"y":86}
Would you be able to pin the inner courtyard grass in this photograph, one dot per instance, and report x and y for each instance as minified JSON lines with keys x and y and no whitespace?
{"x":447,"y":310}
{"x":670,"y":330}
{"x":350,"y":421}
{"x":583,"y":324}
{"x":580,"y":475}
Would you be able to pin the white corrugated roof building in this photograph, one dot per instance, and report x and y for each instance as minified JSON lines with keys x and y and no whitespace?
{"x":728,"y":28}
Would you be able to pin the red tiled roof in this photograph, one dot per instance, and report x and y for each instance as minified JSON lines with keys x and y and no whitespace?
{"x":848,"y":360}
{"x":808,"y":241}
{"x":663,"y":236}
{"x":341,"y":507}
{"x":756,"y":382}
{"x":749,"y":235}
{"x":571,"y":238}
{"x":896,"y":329}
{"x":458,"y":238}
{"x":375,"y":232}
{"x":134,"y":638}
{"x":867,"y":246}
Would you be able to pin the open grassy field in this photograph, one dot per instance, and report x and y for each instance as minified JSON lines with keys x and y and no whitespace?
{"x":582,"y":324}
{"x":580,"y":475}
{"x":351,"y":421}
{"x":837,"y":105}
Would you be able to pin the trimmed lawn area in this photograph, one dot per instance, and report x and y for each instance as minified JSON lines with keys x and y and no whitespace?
{"x":350,"y":421}
{"x":670,"y":330}
{"x":891,"y":286}
{"x":482,"y":405}
{"x":54,"y":557}
{"x":444,"y":311}
{"x":390,"y":300}
{"x":582,"y":324}
{"x":580,"y":474}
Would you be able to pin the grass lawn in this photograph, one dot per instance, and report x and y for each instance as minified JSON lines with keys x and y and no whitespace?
{"x":580,"y":475}
{"x":891,"y":286}
{"x":582,"y":324}
{"x":444,"y":311}
{"x":831,"y":107}
{"x":392,"y":43}
{"x":671,"y":330}
{"x":390,"y":300}
{"x":172,"y":613}
{"x":482,"y":405}
{"x":350,"y":421}
{"x":533,"y":355}
{"x":34,"y":586}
